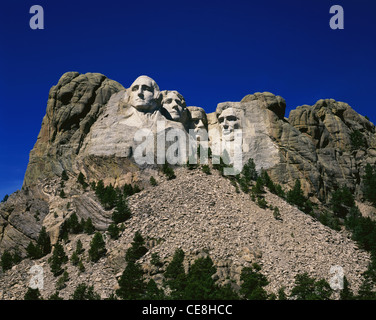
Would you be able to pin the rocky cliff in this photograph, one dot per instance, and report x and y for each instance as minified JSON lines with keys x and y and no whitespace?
{"x":89,"y":128}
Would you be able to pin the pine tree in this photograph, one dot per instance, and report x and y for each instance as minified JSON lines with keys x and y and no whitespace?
{"x":137,"y":250}
{"x":75,"y":259}
{"x":79,"y":247}
{"x":152,"y":292}
{"x":58,"y":259}
{"x":74,"y":225}
{"x":6,"y":260}
{"x":82,"y":180}
{"x":97,"y":247}
{"x":346,"y":293}
{"x":200,"y":284}
{"x":307,"y":288}
{"x":341,"y":201}
{"x":121,"y":212}
{"x":89,"y":227}
{"x":32,"y":294}
{"x":44,"y":242}
{"x":113,"y":230}
{"x":62,"y":194}
{"x":64,"y":176}
{"x":253,"y":282}
{"x":369,"y":184}
{"x":168,"y":171}
{"x":131,"y":282}
{"x":83,"y":292}
{"x":153,"y":182}
{"x":175,"y":275}
{"x":33,"y":251}
{"x":258,"y":188}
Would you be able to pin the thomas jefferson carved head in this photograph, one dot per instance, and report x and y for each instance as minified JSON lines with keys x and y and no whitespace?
{"x":174,"y":103}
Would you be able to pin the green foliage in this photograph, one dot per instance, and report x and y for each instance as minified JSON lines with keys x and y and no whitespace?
{"x":276,"y":213}
{"x":261,"y":202}
{"x":58,"y":259}
{"x":200,"y":284}
{"x":121,"y":212}
{"x":32,"y":294}
{"x":249,"y":171}
{"x":97,"y":247}
{"x":113,"y":230}
{"x":129,"y":190}
{"x":74,"y":258}
{"x":363,"y":229}
{"x":131,"y":282}
{"x":191,"y":166}
{"x":206,"y":169}
{"x":156,"y":260}
{"x":253,"y":282}
{"x":55,"y":296}
{"x":88,"y":226}
{"x":153,"y":182}
{"x":330,"y":220}
{"x":5,"y":199}
{"x":81,"y":266}
{"x":296,"y":197}
{"x":108,"y":196}
{"x":73,"y":225}
{"x":152,"y":292}
{"x":357,"y":140}
{"x":281,"y":294}
{"x":83,"y":292}
{"x":307,"y":288}
{"x":64,"y":176}
{"x":61,"y":282}
{"x":369,"y":184}
{"x":168,"y":171}
{"x":346,"y":293}
{"x":62,"y":194}
{"x":79,"y":247}
{"x":341,"y":201}
{"x":258,"y":188}
{"x":6,"y":261}
{"x":220,"y":163}
{"x":82,"y":180}
{"x":175,"y":275}
{"x":137,"y":249}
{"x":42,"y":247}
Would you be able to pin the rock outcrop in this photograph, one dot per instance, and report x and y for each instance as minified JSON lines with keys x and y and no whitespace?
{"x":73,"y":106}
{"x":90,"y":126}
{"x":203,"y":215}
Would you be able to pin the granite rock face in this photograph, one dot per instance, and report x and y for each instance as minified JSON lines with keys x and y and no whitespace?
{"x":90,"y":126}
{"x":73,"y":106}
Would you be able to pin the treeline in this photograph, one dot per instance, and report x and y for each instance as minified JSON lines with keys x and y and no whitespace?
{"x":198,"y":283}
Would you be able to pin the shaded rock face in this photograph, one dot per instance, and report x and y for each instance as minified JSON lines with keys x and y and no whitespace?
{"x":74,"y":104}
{"x":330,"y":127}
{"x":89,"y":127}
{"x":91,"y":121}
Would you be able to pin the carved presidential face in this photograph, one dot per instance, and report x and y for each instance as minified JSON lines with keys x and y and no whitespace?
{"x":174,"y":103}
{"x":228,"y":121}
{"x":199,"y":120}
{"x":144,"y":93}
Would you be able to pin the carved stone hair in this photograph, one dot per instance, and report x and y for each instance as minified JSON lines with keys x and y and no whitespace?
{"x":166,"y":92}
{"x":156,"y":90}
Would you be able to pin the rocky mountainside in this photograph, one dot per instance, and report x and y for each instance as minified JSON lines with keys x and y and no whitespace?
{"x":203,"y":215}
{"x":88,"y":130}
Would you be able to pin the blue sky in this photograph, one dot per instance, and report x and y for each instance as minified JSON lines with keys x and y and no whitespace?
{"x":209,"y":51}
